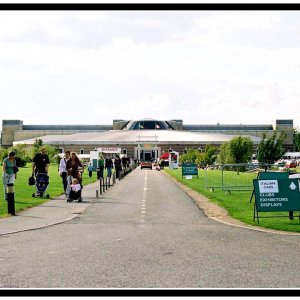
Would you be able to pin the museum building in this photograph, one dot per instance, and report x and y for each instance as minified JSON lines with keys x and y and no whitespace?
{"x":142,"y":139}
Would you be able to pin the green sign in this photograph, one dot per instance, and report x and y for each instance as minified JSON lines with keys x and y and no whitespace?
{"x":189,"y":169}
{"x":277,"y":195}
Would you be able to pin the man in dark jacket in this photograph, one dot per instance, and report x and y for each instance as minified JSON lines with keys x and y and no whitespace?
{"x":41,"y":162}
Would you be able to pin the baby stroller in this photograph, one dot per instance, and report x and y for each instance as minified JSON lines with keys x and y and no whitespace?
{"x":72,"y":195}
{"x":41,"y":185}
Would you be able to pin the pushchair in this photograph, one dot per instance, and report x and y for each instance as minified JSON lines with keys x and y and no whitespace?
{"x":72,"y":195}
{"x":41,"y":185}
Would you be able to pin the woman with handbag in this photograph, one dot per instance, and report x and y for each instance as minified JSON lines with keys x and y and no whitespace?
{"x":9,"y":171}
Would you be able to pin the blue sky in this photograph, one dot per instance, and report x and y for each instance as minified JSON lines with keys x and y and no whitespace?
{"x":205,"y":67}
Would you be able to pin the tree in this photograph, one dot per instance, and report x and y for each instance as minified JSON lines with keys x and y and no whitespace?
{"x":51,"y":151}
{"x":225,"y":155}
{"x":297,"y":138}
{"x":207,"y":157}
{"x":190,"y":156}
{"x":271,"y":149}
{"x":38,"y":143}
{"x":22,"y":154}
{"x":241,"y":149}
{"x":3,"y":154}
{"x":236,"y":151}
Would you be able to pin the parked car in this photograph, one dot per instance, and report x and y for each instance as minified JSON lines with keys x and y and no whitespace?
{"x":280,"y":163}
{"x":146,"y":164}
{"x":291,"y":164}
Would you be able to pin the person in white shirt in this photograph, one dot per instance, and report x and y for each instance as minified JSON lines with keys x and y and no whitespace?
{"x":63,"y":170}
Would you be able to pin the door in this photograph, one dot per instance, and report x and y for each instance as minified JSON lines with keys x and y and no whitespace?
{"x":147,"y":156}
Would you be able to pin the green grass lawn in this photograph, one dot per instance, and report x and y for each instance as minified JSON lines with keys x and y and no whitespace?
{"x":237,"y":203}
{"x":23,"y":191}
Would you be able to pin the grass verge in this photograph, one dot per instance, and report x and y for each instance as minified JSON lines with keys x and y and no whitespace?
{"x":237,"y":203}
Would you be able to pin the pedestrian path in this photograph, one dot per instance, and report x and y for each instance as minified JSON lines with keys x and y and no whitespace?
{"x":52,"y":212}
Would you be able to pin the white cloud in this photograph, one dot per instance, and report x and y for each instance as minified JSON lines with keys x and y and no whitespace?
{"x":199,"y":66}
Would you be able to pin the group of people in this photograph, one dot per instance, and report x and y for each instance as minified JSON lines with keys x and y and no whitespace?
{"x":108,"y":164}
{"x":70,"y":166}
{"x":9,"y":167}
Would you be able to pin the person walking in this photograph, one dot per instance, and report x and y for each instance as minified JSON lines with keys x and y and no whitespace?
{"x":90,"y":169}
{"x":108,"y":165}
{"x":63,"y":169}
{"x":8,"y":176}
{"x":41,"y":162}
{"x":100,"y":166}
{"x":74,"y":167}
{"x":118,"y":166}
{"x":124,"y":162}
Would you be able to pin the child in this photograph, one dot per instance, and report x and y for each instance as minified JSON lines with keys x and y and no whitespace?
{"x":75,"y":186}
{"x":90,"y":169}
{"x":75,"y":192}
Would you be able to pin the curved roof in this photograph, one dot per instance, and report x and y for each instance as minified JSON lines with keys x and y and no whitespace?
{"x":114,"y":137}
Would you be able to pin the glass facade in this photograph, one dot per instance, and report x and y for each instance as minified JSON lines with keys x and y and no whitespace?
{"x":148,"y":125}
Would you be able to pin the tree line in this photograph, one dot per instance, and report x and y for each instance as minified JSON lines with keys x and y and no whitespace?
{"x":237,"y":151}
{"x":25,"y":154}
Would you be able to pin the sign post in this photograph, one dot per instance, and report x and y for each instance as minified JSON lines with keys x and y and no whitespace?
{"x":273,"y":195}
{"x":189,"y":169}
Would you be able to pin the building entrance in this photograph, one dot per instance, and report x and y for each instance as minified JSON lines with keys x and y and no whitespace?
{"x":148,"y":156}
{"x":147,"y":153}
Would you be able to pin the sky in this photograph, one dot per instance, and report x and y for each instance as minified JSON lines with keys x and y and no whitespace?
{"x":203,"y":67}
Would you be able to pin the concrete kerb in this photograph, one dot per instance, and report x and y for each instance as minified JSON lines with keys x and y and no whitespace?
{"x":219,"y":214}
{"x":54,"y":211}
